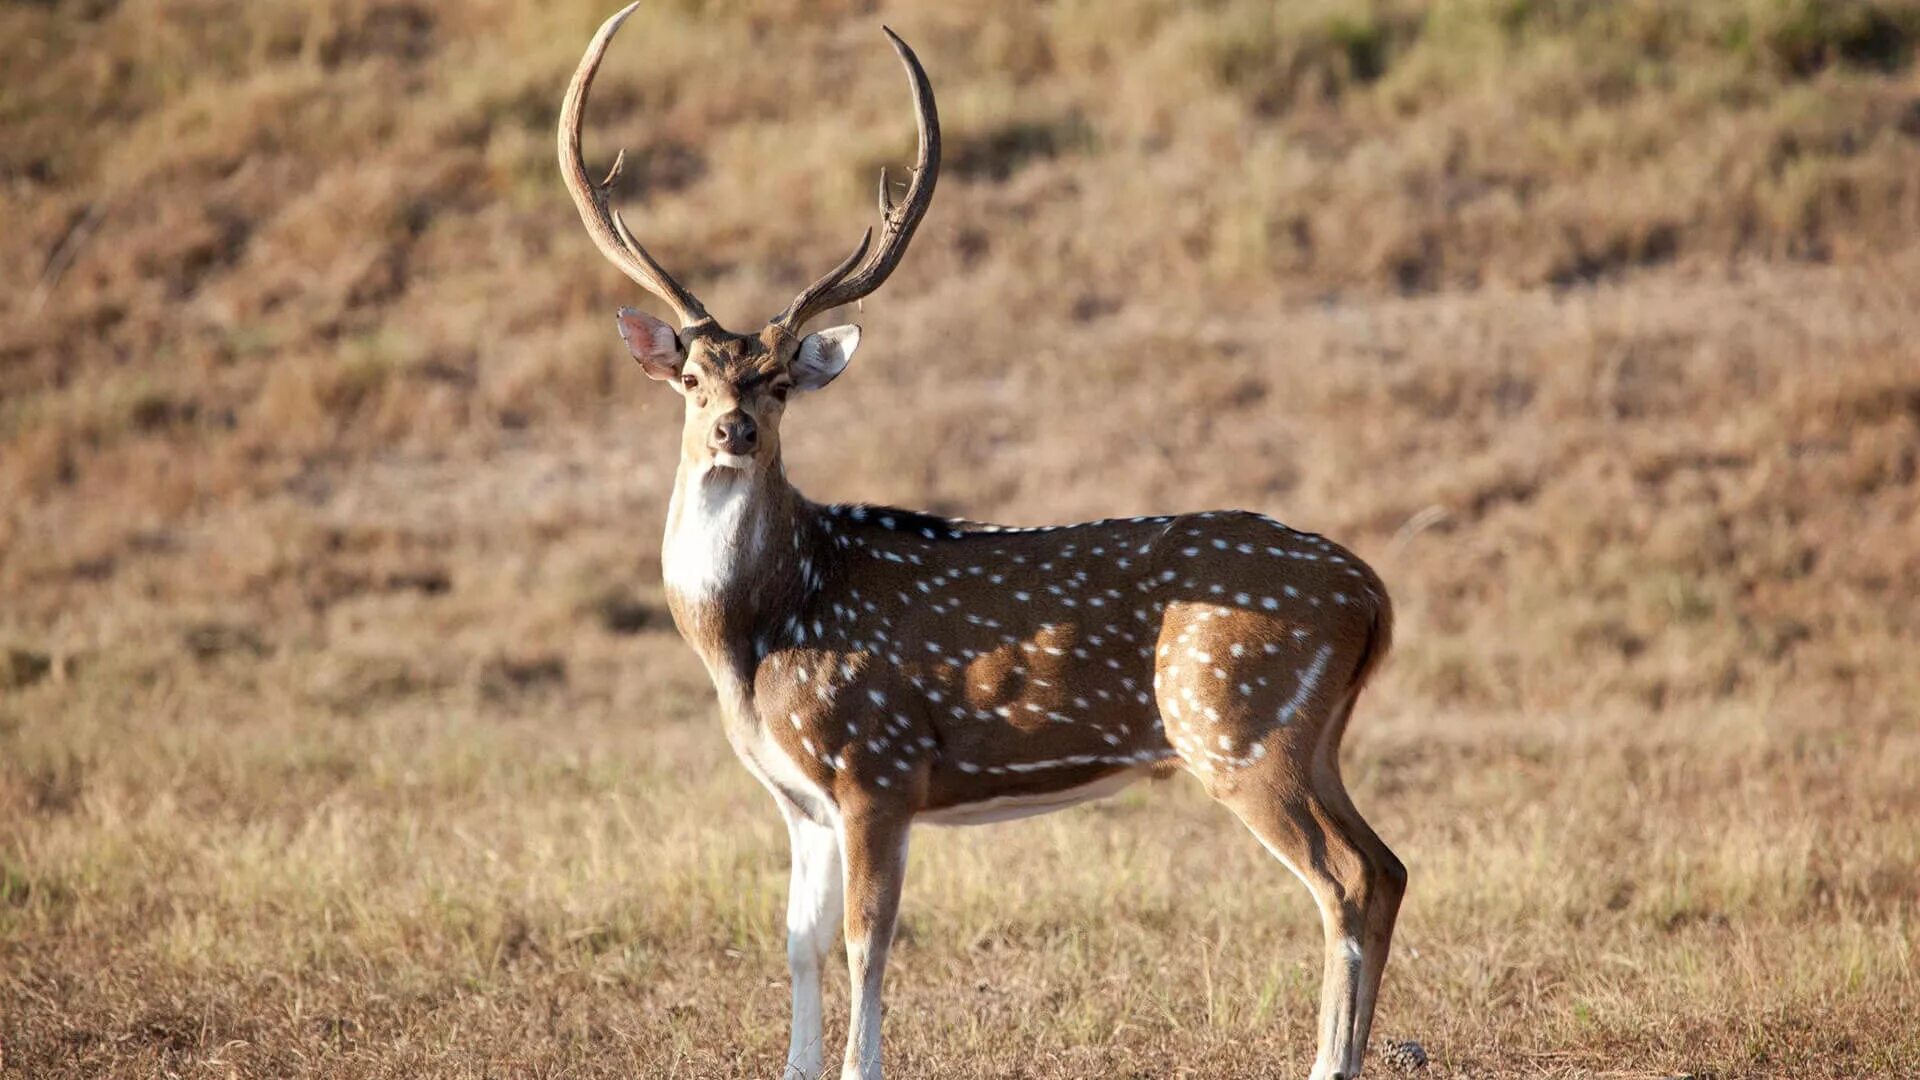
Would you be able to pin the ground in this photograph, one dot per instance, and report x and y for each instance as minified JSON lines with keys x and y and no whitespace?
{"x":342,"y":729}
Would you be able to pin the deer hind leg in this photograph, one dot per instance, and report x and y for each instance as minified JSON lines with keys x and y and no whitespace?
{"x":1265,"y":741}
{"x":1387,"y":877}
{"x":1293,"y":800}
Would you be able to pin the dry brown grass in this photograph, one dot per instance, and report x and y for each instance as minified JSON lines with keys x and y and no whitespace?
{"x":341,"y":729}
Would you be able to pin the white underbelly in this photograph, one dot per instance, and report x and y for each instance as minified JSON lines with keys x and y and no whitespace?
{"x":1008,"y":807}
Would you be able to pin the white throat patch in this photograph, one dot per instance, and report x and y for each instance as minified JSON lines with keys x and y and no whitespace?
{"x":712,"y":536}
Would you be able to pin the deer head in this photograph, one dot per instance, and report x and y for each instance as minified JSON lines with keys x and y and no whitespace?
{"x":736,"y":385}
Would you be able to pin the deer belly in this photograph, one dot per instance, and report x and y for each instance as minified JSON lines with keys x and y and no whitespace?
{"x":1008,"y":807}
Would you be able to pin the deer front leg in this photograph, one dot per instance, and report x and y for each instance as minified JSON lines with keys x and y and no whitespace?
{"x":875,"y":844}
{"x":813,"y":914}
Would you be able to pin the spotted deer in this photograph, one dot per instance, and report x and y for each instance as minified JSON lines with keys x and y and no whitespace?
{"x":878,"y":667}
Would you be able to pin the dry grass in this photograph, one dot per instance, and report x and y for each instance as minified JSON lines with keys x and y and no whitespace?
{"x":341,"y":729}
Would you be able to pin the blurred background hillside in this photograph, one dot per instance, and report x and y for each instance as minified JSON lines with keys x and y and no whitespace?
{"x":343,"y":731}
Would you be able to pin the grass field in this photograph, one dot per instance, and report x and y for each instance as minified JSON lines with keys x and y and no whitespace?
{"x":343,"y":732}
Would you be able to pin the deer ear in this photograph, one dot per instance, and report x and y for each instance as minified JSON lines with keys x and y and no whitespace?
{"x":823,"y":355}
{"x":651,"y":342}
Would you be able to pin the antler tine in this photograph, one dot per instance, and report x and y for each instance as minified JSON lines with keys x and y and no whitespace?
{"x":807,"y":305}
{"x":610,"y":234}
{"x":845,"y":284}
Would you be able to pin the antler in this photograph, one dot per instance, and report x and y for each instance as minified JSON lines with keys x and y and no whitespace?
{"x":845,"y":284}
{"x":609,"y":232}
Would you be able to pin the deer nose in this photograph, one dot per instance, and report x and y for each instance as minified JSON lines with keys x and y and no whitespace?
{"x":734,"y":433}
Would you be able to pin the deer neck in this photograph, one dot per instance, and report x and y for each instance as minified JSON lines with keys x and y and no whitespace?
{"x":740,"y":553}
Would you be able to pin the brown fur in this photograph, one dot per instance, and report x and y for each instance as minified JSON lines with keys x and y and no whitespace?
{"x":878,"y":666}
{"x":904,"y":666}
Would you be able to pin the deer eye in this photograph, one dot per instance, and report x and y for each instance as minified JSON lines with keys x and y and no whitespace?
{"x":781,"y":391}
{"x":689,"y":382}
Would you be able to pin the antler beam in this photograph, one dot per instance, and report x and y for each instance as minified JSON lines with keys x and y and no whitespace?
{"x":868,"y":267}
{"x":610,"y":233}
